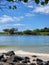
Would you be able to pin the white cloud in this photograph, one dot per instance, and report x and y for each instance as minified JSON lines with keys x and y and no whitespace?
{"x":7,"y":25}
{"x":6,"y":18}
{"x":18,"y":18}
{"x":19,"y":24}
{"x":30,"y":6}
{"x":42,"y":9}
{"x":29,"y":14}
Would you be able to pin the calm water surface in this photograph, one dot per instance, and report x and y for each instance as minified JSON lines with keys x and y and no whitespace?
{"x":26,"y":43}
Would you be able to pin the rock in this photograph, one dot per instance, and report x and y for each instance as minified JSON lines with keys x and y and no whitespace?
{"x":46,"y":63}
{"x":14,"y":58}
{"x":10,"y":53}
{"x":11,"y":64}
{"x":39,"y":60}
{"x":21,"y":64}
{"x":3,"y":60}
{"x":1,"y":63}
{"x":1,"y":56}
{"x":26,"y":57}
{"x":32,"y":64}
{"x":39,"y":63}
{"x":26,"y":61}
{"x":34,"y":56}
{"x":34,"y":59}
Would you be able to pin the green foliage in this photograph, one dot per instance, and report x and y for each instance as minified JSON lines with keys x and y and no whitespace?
{"x":37,"y":30}
{"x":42,"y":3}
{"x":44,"y":31}
{"x":13,"y":6}
{"x":37,"y":1}
{"x":25,"y":1}
{"x":46,"y":1}
{"x":19,"y":33}
{"x":27,"y":32}
{"x":6,"y":30}
{"x":10,"y":31}
{"x":10,"y":0}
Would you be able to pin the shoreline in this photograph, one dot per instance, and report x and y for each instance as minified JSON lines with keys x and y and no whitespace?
{"x":31,"y":55}
{"x":43,"y":56}
{"x":21,"y":52}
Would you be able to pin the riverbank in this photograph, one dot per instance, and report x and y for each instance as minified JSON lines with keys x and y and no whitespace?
{"x":9,"y":57}
{"x":44,"y":31}
{"x":27,"y":48}
{"x":24,"y":53}
{"x":26,"y":33}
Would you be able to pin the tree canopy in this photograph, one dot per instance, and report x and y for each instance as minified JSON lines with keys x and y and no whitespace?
{"x":10,"y":31}
{"x":36,"y":1}
{"x":42,"y":2}
{"x":43,"y":31}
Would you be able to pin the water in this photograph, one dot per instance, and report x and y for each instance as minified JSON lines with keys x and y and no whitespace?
{"x":26,"y":43}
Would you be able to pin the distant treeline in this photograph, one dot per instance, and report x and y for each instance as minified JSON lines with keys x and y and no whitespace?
{"x":44,"y":31}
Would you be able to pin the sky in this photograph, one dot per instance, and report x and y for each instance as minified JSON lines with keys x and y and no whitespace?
{"x":27,"y":16}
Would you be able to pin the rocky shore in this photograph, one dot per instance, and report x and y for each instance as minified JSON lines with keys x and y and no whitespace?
{"x":10,"y":58}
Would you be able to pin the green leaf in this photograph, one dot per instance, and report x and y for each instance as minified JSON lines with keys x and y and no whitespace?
{"x":46,"y":1}
{"x":37,"y":1}
{"x":10,"y":0}
{"x":9,"y":7}
{"x":19,"y":0}
{"x":25,"y":1}
{"x":42,"y":3}
{"x":14,"y":7}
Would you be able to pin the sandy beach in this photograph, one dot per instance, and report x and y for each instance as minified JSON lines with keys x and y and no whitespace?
{"x":20,"y":57}
{"x":43,"y":56}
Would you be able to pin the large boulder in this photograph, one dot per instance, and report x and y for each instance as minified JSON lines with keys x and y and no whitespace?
{"x":26,"y":57}
{"x":14,"y":58}
{"x":32,"y":64}
{"x":39,"y":63}
{"x":39,"y":60}
{"x":26,"y":60}
{"x":46,"y":63}
{"x":1,"y":56}
{"x":9,"y":53}
{"x":34,"y":56}
{"x":2,"y":59}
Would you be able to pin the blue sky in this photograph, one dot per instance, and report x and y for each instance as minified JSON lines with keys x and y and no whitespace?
{"x":26,"y":16}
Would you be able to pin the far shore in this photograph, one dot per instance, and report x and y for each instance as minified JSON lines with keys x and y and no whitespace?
{"x":14,"y":31}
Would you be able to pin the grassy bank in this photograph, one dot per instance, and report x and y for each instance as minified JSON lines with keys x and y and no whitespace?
{"x":13,"y":31}
{"x":26,"y":33}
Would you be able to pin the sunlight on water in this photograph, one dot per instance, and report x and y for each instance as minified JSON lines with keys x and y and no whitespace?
{"x":25,"y":43}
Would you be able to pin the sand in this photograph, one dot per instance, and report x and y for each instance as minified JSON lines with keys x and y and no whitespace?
{"x":43,"y":56}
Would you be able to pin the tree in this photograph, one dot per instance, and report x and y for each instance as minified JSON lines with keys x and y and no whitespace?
{"x":27,"y":32}
{"x":14,"y":1}
{"x":13,"y":30}
{"x":6,"y":30}
{"x":36,"y":1}
{"x":10,"y":31}
{"x":36,"y":30}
